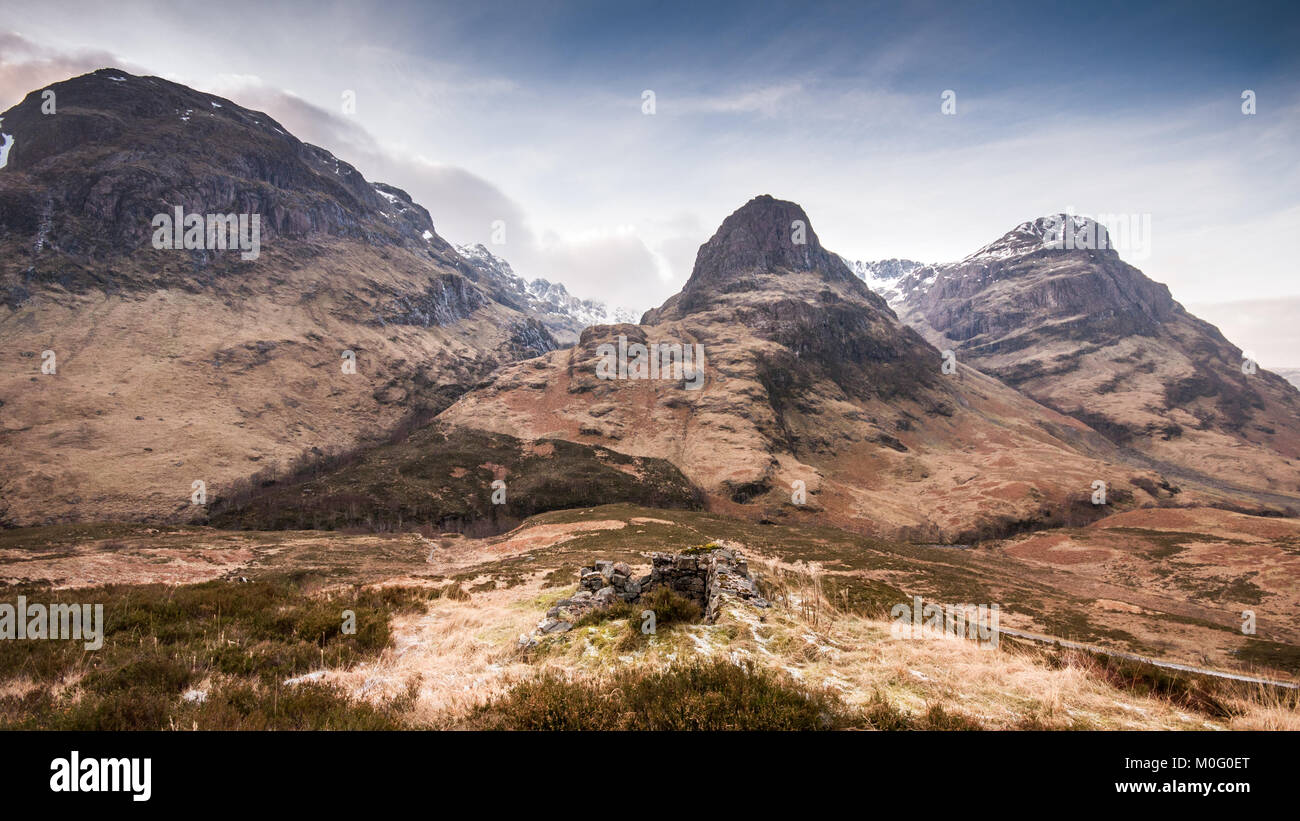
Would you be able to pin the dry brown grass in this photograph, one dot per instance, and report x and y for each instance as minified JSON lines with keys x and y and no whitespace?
{"x":465,"y":654}
{"x":459,"y":652}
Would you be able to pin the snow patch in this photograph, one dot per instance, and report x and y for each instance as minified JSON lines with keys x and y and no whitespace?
{"x":393,"y":198}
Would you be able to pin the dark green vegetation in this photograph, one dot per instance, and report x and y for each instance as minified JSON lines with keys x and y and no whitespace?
{"x":55,"y":541}
{"x":1164,"y":544}
{"x":714,"y":696}
{"x":443,"y":481}
{"x":237,"y":641}
{"x":881,"y":714}
{"x":670,"y":609}
{"x":1271,"y":655}
{"x":1213,"y":696}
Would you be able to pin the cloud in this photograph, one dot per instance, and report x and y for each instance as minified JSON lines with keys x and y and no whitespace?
{"x":1263,"y":328}
{"x":616,"y":266}
{"x":485,"y":116}
{"x":464,"y":205}
{"x":765,"y":100}
{"x":619,"y":267}
{"x":26,"y":66}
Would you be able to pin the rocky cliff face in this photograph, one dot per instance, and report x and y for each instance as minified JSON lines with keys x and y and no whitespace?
{"x":811,"y":384}
{"x":564,"y":315}
{"x":754,"y":274}
{"x":201,"y":364}
{"x":1081,"y":331}
{"x":757,"y":245}
{"x":119,"y":149}
{"x":884,"y":276}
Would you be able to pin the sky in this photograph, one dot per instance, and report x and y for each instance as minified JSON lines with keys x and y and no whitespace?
{"x":533,"y":115}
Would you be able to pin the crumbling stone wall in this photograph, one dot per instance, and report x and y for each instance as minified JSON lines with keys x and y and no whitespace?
{"x":705,"y":576}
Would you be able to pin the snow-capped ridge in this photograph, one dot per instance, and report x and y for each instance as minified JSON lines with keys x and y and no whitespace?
{"x":1063,"y":231}
{"x":563,"y":313}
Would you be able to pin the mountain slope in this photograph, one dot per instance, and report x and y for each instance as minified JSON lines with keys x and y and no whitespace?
{"x":1085,"y":333}
{"x":884,"y":276}
{"x":811,"y":378}
{"x":563,"y":314}
{"x":1291,"y":375}
{"x":177,"y":366}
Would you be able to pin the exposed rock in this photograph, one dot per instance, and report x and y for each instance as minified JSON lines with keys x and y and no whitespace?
{"x":707,"y":576}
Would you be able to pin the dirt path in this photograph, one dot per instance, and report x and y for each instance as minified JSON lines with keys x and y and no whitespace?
{"x":1168,"y":665}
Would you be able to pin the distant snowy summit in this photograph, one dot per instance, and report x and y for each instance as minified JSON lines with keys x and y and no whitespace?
{"x":902,"y":280}
{"x":888,"y":277}
{"x":563,"y":314}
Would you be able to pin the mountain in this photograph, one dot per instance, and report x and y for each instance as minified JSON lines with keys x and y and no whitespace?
{"x":884,"y":276}
{"x":809,"y":377}
{"x":564,"y":315}
{"x":173,"y":365}
{"x":1291,"y":375}
{"x":1083,"y":332}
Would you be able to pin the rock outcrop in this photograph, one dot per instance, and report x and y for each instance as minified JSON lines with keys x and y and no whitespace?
{"x":708,"y":576}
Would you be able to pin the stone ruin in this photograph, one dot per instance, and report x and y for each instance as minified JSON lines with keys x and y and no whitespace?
{"x":703,"y":575}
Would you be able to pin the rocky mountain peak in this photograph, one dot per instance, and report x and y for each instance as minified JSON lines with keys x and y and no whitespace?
{"x":757,"y":248}
{"x":1053,"y":232}
{"x":765,"y":235}
{"x":1052,"y":310}
{"x":123,"y":148}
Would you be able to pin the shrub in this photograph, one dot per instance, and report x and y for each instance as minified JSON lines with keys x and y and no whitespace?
{"x":703,"y":696}
{"x":242,"y":638}
{"x":671,"y":608}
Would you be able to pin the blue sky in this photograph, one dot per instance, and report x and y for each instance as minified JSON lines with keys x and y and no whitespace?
{"x":531,"y":113}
